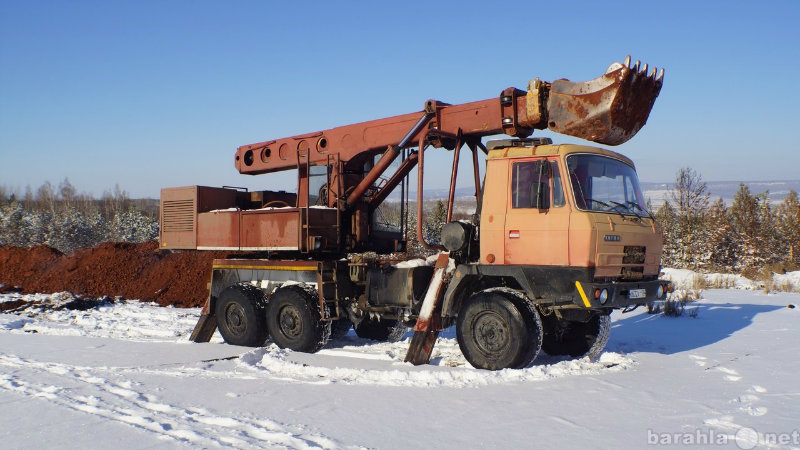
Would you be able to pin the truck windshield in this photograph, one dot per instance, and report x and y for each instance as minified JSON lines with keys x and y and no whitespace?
{"x":604,"y":184}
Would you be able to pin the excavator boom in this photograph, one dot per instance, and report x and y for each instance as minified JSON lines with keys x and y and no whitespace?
{"x":609,"y":110}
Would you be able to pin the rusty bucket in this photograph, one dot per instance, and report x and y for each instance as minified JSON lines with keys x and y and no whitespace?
{"x":609,"y":109}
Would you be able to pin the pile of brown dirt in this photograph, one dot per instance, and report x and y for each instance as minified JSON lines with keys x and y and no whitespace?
{"x":136,"y":271}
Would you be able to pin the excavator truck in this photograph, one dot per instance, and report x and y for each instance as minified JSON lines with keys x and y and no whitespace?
{"x":560,"y":237}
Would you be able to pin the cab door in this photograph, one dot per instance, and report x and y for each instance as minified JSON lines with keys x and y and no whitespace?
{"x":536,"y":228}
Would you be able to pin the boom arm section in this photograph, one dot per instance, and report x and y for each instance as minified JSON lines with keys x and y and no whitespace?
{"x":609,"y":110}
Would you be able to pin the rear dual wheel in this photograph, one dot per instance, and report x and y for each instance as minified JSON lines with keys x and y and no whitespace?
{"x":241,"y":319}
{"x":576,"y":339}
{"x":386,"y":330}
{"x":340,"y":327}
{"x":292,"y":316}
{"x":294,"y":320}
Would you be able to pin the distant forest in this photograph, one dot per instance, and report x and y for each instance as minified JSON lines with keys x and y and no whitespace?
{"x":64,"y":219}
{"x":751,"y":236}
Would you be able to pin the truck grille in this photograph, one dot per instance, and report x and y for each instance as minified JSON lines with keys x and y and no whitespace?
{"x":178,"y":215}
{"x":634,"y":255}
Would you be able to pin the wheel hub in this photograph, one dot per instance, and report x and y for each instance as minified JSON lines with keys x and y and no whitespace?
{"x":235,"y":319}
{"x":291,"y":322}
{"x":491,"y":332}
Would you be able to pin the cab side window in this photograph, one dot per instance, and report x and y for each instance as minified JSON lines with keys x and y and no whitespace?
{"x":531,"y":185}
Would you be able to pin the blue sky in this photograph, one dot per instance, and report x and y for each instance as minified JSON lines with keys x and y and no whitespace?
{"x":152,"y":94}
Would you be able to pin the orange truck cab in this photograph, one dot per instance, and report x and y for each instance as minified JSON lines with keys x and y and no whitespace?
{"x":567,"y":224}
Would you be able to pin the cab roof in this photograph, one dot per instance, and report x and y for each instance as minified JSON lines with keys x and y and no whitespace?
{"x":519,"y":148}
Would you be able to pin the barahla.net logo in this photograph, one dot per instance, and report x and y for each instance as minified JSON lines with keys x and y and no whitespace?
{"x":745,"y":438}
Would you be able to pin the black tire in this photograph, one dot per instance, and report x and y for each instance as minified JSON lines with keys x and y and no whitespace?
{"x":498,"y":330}
{"x":294,"y":320}
{"x":387,"y":330}
{"x":576,"y":339}
{"x":240,"y":312}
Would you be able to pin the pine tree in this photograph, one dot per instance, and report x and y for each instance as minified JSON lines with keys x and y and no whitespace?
{"x":769,"y":241}
{"x":746,"y":226}
{"x":667,"y":218}
{"x":789,"y":227}
{"x":432,"y":226}
{"x":718,"y":239}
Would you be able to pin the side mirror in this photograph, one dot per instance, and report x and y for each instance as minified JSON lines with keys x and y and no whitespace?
{"x":543,"y":168}
{"x":540,"y":195}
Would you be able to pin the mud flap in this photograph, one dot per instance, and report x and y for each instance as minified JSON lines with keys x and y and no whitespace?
{"x":429,"y":323}
{"x":206,"y":325}
{"x":204,"y":329}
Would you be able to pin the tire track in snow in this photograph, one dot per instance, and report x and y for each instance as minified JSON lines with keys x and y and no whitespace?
{"x":81,"y":389}
{"x":289,"y":366}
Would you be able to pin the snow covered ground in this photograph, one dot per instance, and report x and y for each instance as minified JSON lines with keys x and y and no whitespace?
{"x":123,"y":375}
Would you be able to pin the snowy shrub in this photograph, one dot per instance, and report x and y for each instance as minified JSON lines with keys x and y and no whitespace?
{"x":22,"y":228}
{"x":132,"y":226}
{"x":10,"y":221}
{"x":685,"y":295}
{"x":675,"y":304}
{"x":720,"y":281}
{"x":72,"y":230}
{"x":671,"y":308}
{"x":37,"y":226}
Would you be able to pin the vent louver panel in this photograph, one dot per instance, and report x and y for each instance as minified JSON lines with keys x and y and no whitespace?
{"x":178,"y":215}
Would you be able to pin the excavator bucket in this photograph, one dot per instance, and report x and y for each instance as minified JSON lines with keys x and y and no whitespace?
{"x":609,"y":109}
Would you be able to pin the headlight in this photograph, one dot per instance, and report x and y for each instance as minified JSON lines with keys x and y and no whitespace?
{"x":601,"y":295}
{"x":660,"y":291}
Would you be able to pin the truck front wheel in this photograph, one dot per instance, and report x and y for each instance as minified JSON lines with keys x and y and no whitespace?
{"x":498,"y":330}
{"x":576,"y":339}
{"x":295,"y":322}
{"x":240,"y":316}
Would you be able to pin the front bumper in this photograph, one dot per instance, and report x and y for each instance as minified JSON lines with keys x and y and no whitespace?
{"x":620,"y":294}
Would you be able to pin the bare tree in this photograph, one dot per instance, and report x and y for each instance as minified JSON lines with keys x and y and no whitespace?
{"x":29,"y":201}
{"x":115,"y":202}
{"x":690,"y":199}
{"x":67,"y":193}
{"x":46,"y":198}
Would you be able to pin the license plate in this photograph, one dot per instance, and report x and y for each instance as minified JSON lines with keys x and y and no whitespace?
{"x":637,"y":293}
